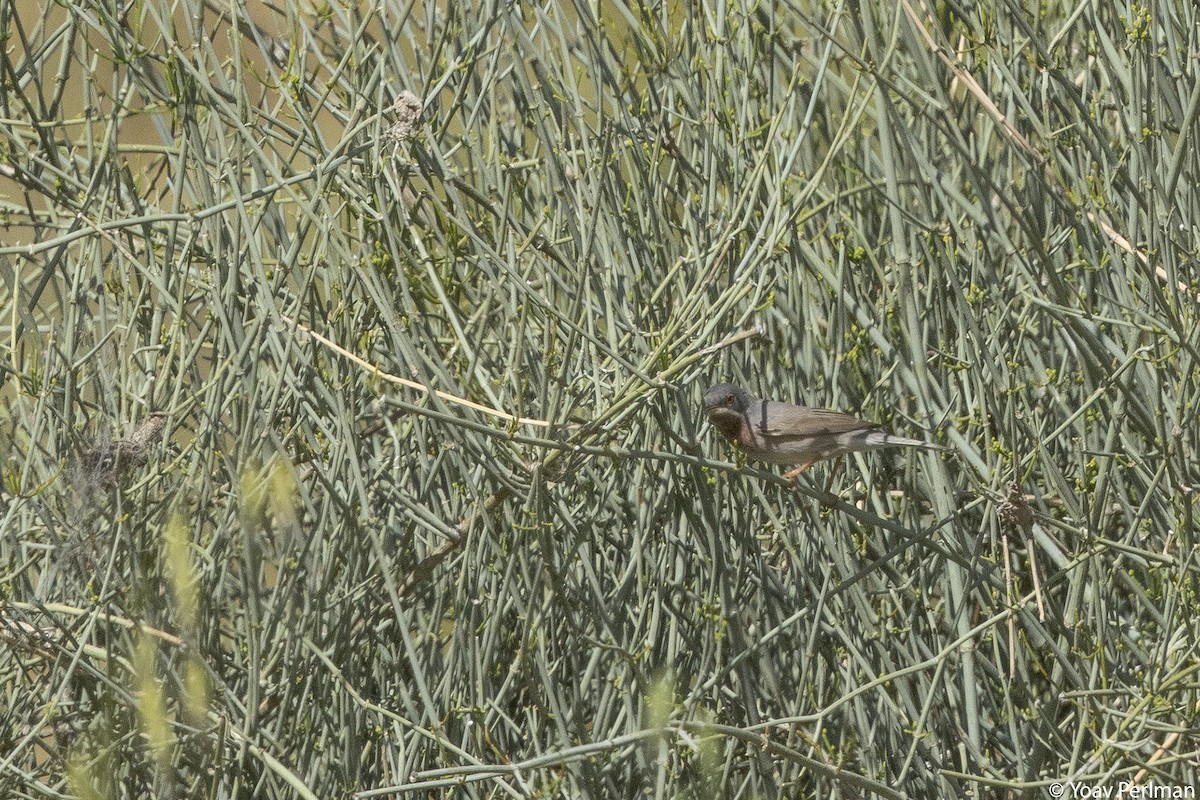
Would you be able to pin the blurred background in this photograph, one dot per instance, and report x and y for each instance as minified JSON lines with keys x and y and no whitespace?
{"x":350,"y":370}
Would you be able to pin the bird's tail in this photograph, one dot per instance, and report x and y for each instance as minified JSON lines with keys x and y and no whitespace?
{"x":880,"y":439}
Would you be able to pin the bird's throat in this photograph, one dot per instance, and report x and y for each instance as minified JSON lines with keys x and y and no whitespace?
{"x":728,"y":422}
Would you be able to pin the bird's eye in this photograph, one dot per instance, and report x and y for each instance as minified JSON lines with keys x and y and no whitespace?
{"x":729,"y":399}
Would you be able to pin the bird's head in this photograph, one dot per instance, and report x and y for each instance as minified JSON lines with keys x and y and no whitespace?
{"x":725,"y":398}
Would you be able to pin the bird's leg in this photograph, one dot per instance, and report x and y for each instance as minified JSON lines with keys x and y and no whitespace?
{"x":792,"y":474}
{"x":829,"y":482}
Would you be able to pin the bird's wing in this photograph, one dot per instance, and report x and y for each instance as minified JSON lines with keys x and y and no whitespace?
{"x":784,"y":420}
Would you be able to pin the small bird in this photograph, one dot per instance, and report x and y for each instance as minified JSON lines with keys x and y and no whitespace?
{"x":782,"y":433}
